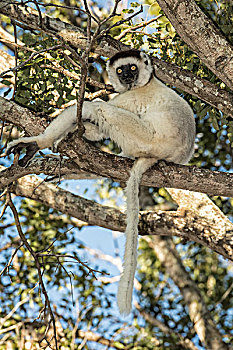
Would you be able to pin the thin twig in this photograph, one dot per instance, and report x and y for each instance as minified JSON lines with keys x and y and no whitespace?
{"x":44,"y":180}
{"x":2,"y":128}
{"x":11,"y":259}
{"x":84,"y":71}
{"x":61,"y":70}
{"x":35,"y":257}
{"x":141,"y":25}
{"x":88,"y":25}
{"x":15,"y":308}
{"x":143,"y":33}
{"x":69,"y":8}
{"x":97,"y":94}
{"x":30,"y":58}
{"x":39,"y":13}
{"x":18,"y":326}
{"x":4,"y":209}
{"x":71,"y":284}
{"x":20,"y":46}
{"x":105,"y":31}
{"x":16,"y":59}
{"x":113,"y":14}
{"x":91,"y":40}
{"x":105,"y":89}
{"x":90,"y":270}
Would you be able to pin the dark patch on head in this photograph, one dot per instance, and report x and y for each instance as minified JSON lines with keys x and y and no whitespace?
{"x":127,"y":76}
{"x":123,"y":54}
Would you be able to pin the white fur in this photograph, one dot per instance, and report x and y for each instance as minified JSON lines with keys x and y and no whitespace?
{"x":144,"y":71}
{"x":59,"y":129}
{"x":149,"y":122}
{"x":125,"y":287}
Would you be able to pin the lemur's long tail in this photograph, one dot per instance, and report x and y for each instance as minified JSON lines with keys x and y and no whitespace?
{"x":125,"y":287}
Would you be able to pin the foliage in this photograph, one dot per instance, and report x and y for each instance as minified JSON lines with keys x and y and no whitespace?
{"x":43,"y":89}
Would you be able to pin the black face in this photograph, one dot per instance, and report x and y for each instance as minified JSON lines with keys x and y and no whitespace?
{"x":127,"y":74}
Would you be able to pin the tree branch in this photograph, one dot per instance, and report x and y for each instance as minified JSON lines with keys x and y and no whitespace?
{"x":86,"y":158}
{"x":37,"y":263}
{"x":6,"y":62}
{"x":107,"y":46}
{"x":97,"y":338}
{"x":198,"y":312}
{"x":137,"y":26}
{"x":200,"y":33}
{"x":196,"y":86}
{"x":186,"y":224}
{"x":184,"y":342}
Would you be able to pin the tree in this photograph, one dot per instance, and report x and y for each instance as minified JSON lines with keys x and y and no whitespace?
{"x":184,"y":281}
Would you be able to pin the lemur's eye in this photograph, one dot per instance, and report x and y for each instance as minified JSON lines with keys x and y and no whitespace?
{"x":133,"y":67}
{"x":119,"y":70}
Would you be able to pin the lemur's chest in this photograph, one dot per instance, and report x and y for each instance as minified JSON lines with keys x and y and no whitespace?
{"x":137,"y":103}
{"x":152,"y":96}
{"x":138,"y":106}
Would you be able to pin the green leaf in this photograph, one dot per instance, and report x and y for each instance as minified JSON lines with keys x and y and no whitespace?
{"x":129,"y":11}
{"x":134,"y":4}
{"x":6,"y":82}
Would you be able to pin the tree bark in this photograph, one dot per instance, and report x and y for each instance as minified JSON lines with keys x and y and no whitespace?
{"x":198,"y":312}
{"x":86,"y":158}
{"x":217,"y":235}
{"x":111,"y":218}
{"x":200,"y":33}
{"x":184,"y":342}
{"x":107,"y":46}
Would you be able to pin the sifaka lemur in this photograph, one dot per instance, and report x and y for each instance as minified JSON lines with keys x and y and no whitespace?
{"x":147,"y":120}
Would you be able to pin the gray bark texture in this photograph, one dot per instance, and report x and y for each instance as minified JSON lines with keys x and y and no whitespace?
{"x":107,"y":46}
{"x":198,"y":312}
{"x":86,"y":158}
{"x":212,"y":230}
{"x":197,"y":218}
{"x":200,"y":33}
{"x":164,"y":223}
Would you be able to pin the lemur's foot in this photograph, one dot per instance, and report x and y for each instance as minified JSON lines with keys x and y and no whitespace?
{"x":31,"y":149}
{"x":56,"y":144}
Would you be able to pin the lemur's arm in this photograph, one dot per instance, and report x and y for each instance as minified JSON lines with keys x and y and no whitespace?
{"x":134,"y":135}
{"x":101,"y":119}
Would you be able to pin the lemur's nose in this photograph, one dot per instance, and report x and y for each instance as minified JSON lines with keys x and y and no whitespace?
{"x":127,"y":75}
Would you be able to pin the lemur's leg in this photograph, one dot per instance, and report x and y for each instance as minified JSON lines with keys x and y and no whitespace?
{"x":57,"y":130}
{"x":132,"y":134}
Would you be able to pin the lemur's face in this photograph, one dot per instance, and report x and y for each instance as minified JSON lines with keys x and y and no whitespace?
{"x":128,"y":75}
{"x":128,"y":70}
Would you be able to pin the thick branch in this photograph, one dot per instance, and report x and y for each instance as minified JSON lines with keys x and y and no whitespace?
{"x":27,"y":15}
{"x":86,"y":158}
{"x":107,"y":46}
{"x":184,"y":342}
{"x":185,"y":224}
{"x":200,"y":33}
{"x":201,"y":207}
{"x":97,"y":338}
{"x":48,"y":166}
{"x":196,"y":86}
{"x":198,"y":312}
